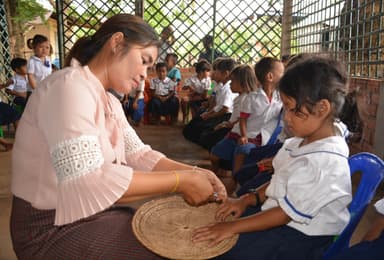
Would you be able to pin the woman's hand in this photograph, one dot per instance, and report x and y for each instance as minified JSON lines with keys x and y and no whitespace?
{"x":215,"y":233}
{"x":196,"y":188}
{"x":234,"y":207}
{"x":218,"y":186}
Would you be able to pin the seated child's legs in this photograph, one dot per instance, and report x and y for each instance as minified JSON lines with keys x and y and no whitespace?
{"x":240,"y":154}
{"x":184,"y":108}
{"x":138,"y":113}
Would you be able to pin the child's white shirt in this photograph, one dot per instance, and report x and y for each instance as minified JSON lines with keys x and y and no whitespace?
{"x":263,"y":114}
{"x":162,"y":87}
{"x":20,"y":83}
{"x":224,"y":97}
{"x":237,"y":101}
{"x":40,"y":71}
{"x":199,"y":86}
{"x":379,"y":205}
{"x":312,"y":184}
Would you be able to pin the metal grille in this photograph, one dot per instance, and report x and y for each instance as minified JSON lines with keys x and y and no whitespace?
{"x":82,"y":17}
{"x":244,"y":30}
{"x":5,"y":56}
{"x":351,"y":30}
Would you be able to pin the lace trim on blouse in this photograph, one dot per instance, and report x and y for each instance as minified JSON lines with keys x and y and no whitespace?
{"x":132,"y":142}
{"x":76,"y":157}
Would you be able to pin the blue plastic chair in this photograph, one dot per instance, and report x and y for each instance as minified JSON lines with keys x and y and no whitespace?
{"x":372,"y":173}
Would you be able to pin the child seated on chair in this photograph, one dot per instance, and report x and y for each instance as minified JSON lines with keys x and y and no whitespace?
{"x":175,"y":75}
{"x":306,"y":203}
{"x":197,"y":86}
{"x":17,"y":85}
{"x":163,"y":102}
{"x":133,"y":104}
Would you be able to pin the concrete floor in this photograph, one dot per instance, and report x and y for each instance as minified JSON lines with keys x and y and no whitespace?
{"x":166,"y":139}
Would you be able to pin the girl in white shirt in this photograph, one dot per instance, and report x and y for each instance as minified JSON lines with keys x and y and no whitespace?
{"x":305,"y":204}
{"x":39,"y":65}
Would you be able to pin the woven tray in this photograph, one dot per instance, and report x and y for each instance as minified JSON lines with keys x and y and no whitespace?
{"x":165,"y":227}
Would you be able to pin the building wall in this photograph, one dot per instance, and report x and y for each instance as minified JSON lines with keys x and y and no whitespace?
{"x":371,"y":108}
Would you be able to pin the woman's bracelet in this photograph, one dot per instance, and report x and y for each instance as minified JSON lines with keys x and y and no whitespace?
{"x":176,"y":183}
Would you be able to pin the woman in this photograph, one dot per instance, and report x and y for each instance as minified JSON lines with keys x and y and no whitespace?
{"x":81,"y":159}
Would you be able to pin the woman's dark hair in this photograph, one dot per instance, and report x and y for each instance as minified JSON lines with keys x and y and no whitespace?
{"x":36,"y":40}
{"x":246,"y":77}
{"x":264,"y":66}
{"x":135,"y":30}
{"x":224,"y":64}
{"x":315,"y":78}
{"x":202,"y":65}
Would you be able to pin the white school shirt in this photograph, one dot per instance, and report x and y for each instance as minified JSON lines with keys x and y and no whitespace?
{"x":379,"y":205}
{"x":20,"y":83}
{"x":237,"y":101}
{"x":224,"y":97}
{"x":36,"y":67}
{"x":162,"y":87}
{"x":263,"y":116}
{"x":198,"y":85}
{"x":140,"y":89}
{"x":312,"y":184}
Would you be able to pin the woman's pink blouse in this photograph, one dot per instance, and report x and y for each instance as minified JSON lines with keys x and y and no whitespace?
{"x":74,"y":150}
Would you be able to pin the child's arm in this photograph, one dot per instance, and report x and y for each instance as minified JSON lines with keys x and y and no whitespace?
{"x":134,"y":105}
{"x":7,"y":84}
{"x":243,"y":131}
{"x":213,"y":114}
{"x":32,"y":80}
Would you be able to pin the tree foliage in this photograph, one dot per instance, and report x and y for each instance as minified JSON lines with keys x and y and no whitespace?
{"x":28,"y":10}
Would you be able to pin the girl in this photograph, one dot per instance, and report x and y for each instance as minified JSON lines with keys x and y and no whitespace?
{"x":197,"y":86}
{"x":243,"y":81}
{"x":219,"y":111}
{"x":260,"y":112}
{"x":39,"y":65}
{"x":69,"y":194}
{"x":305,"y":205}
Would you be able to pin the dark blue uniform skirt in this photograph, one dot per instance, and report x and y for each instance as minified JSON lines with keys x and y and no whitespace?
{"x":277,"y":244}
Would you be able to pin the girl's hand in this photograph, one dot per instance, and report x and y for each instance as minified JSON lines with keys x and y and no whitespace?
{"x":234,"y":207}
{"x":265,"y":164}
{"x":196,"y":188}
{"x":242,"y":140}
{"x":215,"y":233}
{"x":204,"y":115}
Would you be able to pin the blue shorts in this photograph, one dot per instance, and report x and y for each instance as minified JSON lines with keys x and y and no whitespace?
{"x":228,"y":147}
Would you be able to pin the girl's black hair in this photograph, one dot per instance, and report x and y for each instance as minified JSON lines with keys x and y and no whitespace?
{"x":313,"y":79}
{"x":224,"y":64}
{"x":246,"y":77}
{"x":37,"y":39}
{"x":135,"y":30}
{"x":17,"y":63}
{"x":202,"y":65}
{"x":263,"y":67}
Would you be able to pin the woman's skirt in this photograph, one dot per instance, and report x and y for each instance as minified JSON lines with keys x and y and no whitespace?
{"x":106,"y":235}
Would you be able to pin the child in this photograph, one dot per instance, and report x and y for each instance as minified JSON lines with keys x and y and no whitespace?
{"x":175,"y":75}
{"x":202,"y":125}
{"x":198,"y":86}
{"x":243,"y":81}
{"x":305,"y":205}
{"x":167,"y":39}
{"x":17,"y":85}
{"x":163,"y":102}
{"x":134,"y":104}
{"x":260,"y":112}
{"x":173,"y":72}
{"x":39,"y":65}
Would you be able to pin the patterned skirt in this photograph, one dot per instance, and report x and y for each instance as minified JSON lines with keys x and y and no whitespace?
{"x":106,"y":235}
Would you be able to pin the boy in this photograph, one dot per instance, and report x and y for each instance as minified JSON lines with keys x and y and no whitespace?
{"x":163,"y":102}
{"x":17,"y":85}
